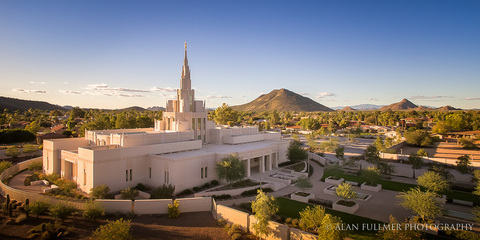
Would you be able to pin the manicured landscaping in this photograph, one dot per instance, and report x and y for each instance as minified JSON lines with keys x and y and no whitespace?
{"x":400,"y":187}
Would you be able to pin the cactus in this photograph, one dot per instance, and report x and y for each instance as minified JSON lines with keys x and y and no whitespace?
{"x":44,"y":227}
{"x":27,"y":202}
{"x":7,"y":201}
{"x":10,"y":210}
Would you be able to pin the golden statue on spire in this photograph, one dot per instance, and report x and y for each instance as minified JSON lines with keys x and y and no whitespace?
{"x":185,"y":45}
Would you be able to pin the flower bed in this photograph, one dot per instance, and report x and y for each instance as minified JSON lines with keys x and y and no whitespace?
{"x":341,"y":206}
{"x":302,"y":196}
{"x":332,"y":180}
{"x":375,"y":188}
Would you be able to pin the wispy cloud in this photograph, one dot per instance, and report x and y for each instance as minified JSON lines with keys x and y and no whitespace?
{"x":422,"y":97}
{"x":220,"y":96}
{"x":472,"y":98}
{"x":165,"y":89}
{"x":28,"y":91}
{"x":326,"y":94}
{"x":33,"y":82}
{"x":106,"y":87}
{"x":70,"y":92}
{"x":372,"y":99}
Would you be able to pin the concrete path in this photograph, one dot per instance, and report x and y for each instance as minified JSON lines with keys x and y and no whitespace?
{"x":18,"y":183}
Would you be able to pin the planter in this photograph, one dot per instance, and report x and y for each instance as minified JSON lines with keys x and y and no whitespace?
{"x":333,"y":181}
{"x":343,"y":208}
{"x":376,"y":188}
{"x":299,"y":198}
{"x":330,"y":190}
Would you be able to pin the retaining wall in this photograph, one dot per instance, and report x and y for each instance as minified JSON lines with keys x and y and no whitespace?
{"x":157,"y":206}
{"x":113,"y":206}
{"x":233,"y":216}
{"x":278,"y":231}
{"x":200,"y":204}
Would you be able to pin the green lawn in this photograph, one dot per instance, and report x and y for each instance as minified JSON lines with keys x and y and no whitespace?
{"x":400,"y":187}
{"x":290,"y":209}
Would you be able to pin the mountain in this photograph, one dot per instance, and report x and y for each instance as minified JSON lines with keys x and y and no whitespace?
{"x":405,"y":104}
{"x":348,"y":109}
{"x":423,"y":108}
{"x":134,"y":108}
{"x":14,"y":104}
{"x":156,"y":108}
{"x":361,"y":107}
{"x":282,"y":100}
{"x":447,"y":108}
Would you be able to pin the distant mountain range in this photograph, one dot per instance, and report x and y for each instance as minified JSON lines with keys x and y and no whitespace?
{"x":405,"y":104}
{"x":360,"y":107}
{"x":282,"y":100}
{"x":14,"y":104}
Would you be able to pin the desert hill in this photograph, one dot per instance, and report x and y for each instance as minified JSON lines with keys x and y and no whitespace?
{"x":405,"y":104}
{"x":282,"y":100}
{"x":14,"y":104}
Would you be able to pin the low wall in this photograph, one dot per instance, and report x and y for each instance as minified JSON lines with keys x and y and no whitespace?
{"x":200,"y":204}
{"x":233,"y":216}
{"x":113,"y":206}
{"x":317,"y":158}
{"x":157,"y":206}
{"x":278,"y":231}
{"x":32,"y":197}
{"x":297,"y":234}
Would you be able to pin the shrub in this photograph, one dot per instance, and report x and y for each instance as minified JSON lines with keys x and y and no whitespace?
{"x":50,"y":177}
{"x":129,"y":193}
{"x":66,"y":185}
{"x":163,"y":192}
{"x":214,"y":183}
{"x":142,"y":187}
{"x":173,"y":211}
{"x":29,"y":148}
{"x":21,"y":218}
{"x":34,"y":166}
{"x":12,"y":152}
{"x":222,"y":197}
{"x":118,"y":230}
{"x":99,"y":192}
{"x":62,"y":211}
{"x":254,"y":192}
{"x":38,"y":208}
{"x":4,"y":165}
{"x":185,"y":192}
{"x":15,"y":136}
{"x":93,"y":210}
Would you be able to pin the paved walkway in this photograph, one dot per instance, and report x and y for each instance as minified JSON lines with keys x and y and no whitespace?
{"x":18,"y":183}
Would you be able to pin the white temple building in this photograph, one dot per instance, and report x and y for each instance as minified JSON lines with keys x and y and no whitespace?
{"x":182,"y":149}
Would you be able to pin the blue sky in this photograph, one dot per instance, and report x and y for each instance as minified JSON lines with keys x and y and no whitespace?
{"x":115,"y":54}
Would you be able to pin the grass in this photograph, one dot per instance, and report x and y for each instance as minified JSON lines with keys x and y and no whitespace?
{"x":401,"y":187}
{"x":290,"y":209}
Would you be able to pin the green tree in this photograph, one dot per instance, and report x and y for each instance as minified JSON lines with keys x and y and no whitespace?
{"x":340,"y":153}
{"x":303,"y":183}
{"x":443,"y":171}
{"x":263,"y":207}
{"x":296,"y":153}
{"x":62,"y":211}
{"x":421,"y":203}
{"x":230,"y":168}
{"x":433,"y":182}
{"x":93,"y":210}
{"x":315,"y":219}
{"x":129,"y":193}
{"x":385,"y":167}
{"x":396,"y":230}
{"x":464,"y":165}
{"x":371,"y":154}
{"x":418,"y":138}
{"x":422,"y":153}
{"x":224,"y":114}
{"x":118,"y":230}
{"x":144,"y":122}
{"x":379,"y":144}
{"x":99,"y":192}
{"x":346,"y":191}
{"x":468,"y":143}
{"x":274,"y":117}
{"x":12,"y":152}
{"x":33,"y":127}
{"x":415,"y":160}
{"x":371,"y":175}
{"x":4,"y":165}
{"x":441,"y":128}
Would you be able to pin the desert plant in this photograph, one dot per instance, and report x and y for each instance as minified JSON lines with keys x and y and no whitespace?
{"x":303,"y":183}
{"x":12,"y":152}
{"x":371,"y":175}
{"x":4,"y":165}
{"x":129,"y":193}
{"x":62,"y":211}
{"x":21,"y":218}
{"x":118,"y":230}
{"x":230,"y":168}
{"x":34,"y":166}
{"x":99,"y":192}
{"x":173,"y":210}
{"x":346,"y":191}
{"x":38,"y":208}
{"x":93,"y":210}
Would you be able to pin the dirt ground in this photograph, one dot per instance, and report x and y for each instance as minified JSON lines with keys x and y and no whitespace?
{"x":200,"y":225}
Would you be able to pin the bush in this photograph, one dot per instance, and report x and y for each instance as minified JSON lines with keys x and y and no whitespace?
{"x":62,"y":211}
{"x":323,"y":202}
{"x":142,"y":187}
{"x":30,"y":148}
{"x":93,"y":210}
{"x":185,"y":192}
{"x":12,"y":152}
{"x":214,"y":183}
{"x":50,"y":177}
{"x":163,"y":192}
{"x":99,"y":192}
{"x":35,"y":166}
{"x":4,"y":165}
{"x":253,"y":192}
{"x":38,"y":208}
{"x":129,"y":193}
{"x":222,"y":197}
{"x":118,"y":230}
{"x":173,"y":210}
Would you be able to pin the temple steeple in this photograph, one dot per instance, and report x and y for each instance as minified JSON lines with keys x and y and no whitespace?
{"x":185,"y":95}
{"x":185,"y":82}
